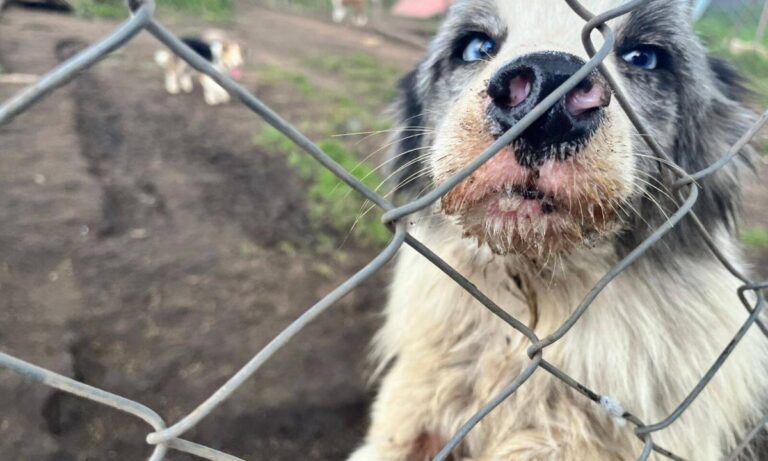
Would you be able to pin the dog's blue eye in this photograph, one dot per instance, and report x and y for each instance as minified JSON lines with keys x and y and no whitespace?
{"x":645,"y":57}
{"x":479,"y":48}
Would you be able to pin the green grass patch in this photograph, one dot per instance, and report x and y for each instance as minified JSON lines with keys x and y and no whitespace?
{"x":347,"y":84}
{"x":720,"y":26}
{"x":755,"y":237}
{"x":211,"y":10}
{"x":100,"y":9}
{"x":368,"y":88}
{"x":335,"y":210}
{"x":717,"y":29}
{"x":367,"y":78}
{"x":331,"y":95}
{"x":275,"y":75}
{"x":298,"y":6}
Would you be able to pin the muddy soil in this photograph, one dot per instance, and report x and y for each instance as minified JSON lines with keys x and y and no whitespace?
{"x":144,"y":249}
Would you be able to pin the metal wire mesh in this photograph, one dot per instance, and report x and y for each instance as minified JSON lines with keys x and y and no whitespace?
{"x":685,"y":185}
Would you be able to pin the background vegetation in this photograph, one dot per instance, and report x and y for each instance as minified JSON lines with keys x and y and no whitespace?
{"x":212,"y":10}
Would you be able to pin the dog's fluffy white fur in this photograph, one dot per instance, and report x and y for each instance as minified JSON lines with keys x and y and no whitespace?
{"x":646,"y":341}
{"x":644,"y":344}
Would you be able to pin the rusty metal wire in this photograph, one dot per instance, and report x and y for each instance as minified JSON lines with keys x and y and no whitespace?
{"x":165,"y":438}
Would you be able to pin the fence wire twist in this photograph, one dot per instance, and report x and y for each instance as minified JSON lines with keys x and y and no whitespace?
{"x":685,"y":185}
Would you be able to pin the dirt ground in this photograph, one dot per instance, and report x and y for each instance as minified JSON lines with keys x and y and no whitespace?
{"x":143,"y":251}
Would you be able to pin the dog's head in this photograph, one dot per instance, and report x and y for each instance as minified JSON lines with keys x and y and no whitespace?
{"x":580,"y":174}
{"x":228,"y":54}
{"x":232,"y":58}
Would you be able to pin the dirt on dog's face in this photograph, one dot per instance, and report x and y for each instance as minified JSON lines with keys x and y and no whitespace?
{"x":573,"y":176}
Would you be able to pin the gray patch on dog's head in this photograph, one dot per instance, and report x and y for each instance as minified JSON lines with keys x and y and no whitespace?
{"x":693,"y":109}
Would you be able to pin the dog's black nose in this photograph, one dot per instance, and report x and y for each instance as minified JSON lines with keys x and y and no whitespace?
{"x":524,"y":82}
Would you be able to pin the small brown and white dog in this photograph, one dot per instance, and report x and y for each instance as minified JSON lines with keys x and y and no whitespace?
{"x":537,"y":226}
{"x":225,"y":54}
{"x":342,"y":8}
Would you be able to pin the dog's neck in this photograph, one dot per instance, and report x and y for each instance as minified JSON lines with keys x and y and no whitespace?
{"x":549,"y":291}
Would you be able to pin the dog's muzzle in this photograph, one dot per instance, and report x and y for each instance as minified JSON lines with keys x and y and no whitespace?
{"x":523,"y":83}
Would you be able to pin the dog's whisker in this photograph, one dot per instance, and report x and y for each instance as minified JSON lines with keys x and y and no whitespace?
{"x":370,"y":134}
{"x":387,"y":195}
{"x":383,"y":147}
{"x":412,"y":128}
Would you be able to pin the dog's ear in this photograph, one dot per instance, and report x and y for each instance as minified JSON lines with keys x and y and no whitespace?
{"x":408,"y":137}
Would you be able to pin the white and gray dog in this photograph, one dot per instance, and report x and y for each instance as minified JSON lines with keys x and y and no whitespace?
{"x":540,"y":223}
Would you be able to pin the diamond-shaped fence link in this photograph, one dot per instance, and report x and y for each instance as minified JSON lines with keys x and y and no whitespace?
{"x":685,"y":185}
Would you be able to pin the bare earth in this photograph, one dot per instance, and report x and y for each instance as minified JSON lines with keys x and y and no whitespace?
{"x":139,"y":240}
{"x":142,"y":250}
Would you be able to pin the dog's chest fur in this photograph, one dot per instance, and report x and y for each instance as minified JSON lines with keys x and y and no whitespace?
{"x":646,"y":341}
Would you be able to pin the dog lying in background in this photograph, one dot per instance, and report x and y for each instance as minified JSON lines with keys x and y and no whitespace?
{"x":225,"y":54}
{"x":537,"y":226}
{"x":342,"y":8}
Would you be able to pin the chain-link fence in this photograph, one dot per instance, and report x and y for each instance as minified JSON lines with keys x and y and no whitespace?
{"x":684,"y":184}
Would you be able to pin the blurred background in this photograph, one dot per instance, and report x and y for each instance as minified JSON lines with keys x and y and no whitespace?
{"x":150,"y":244}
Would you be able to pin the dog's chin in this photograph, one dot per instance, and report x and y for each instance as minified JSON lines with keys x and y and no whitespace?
{"x":532,"y":224}
{"x":537,"y":210}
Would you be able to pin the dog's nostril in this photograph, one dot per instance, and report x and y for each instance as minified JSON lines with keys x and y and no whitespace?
{"x":586,"y":98}
{"x":519,"y":90}
{"x":511,"y":87}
